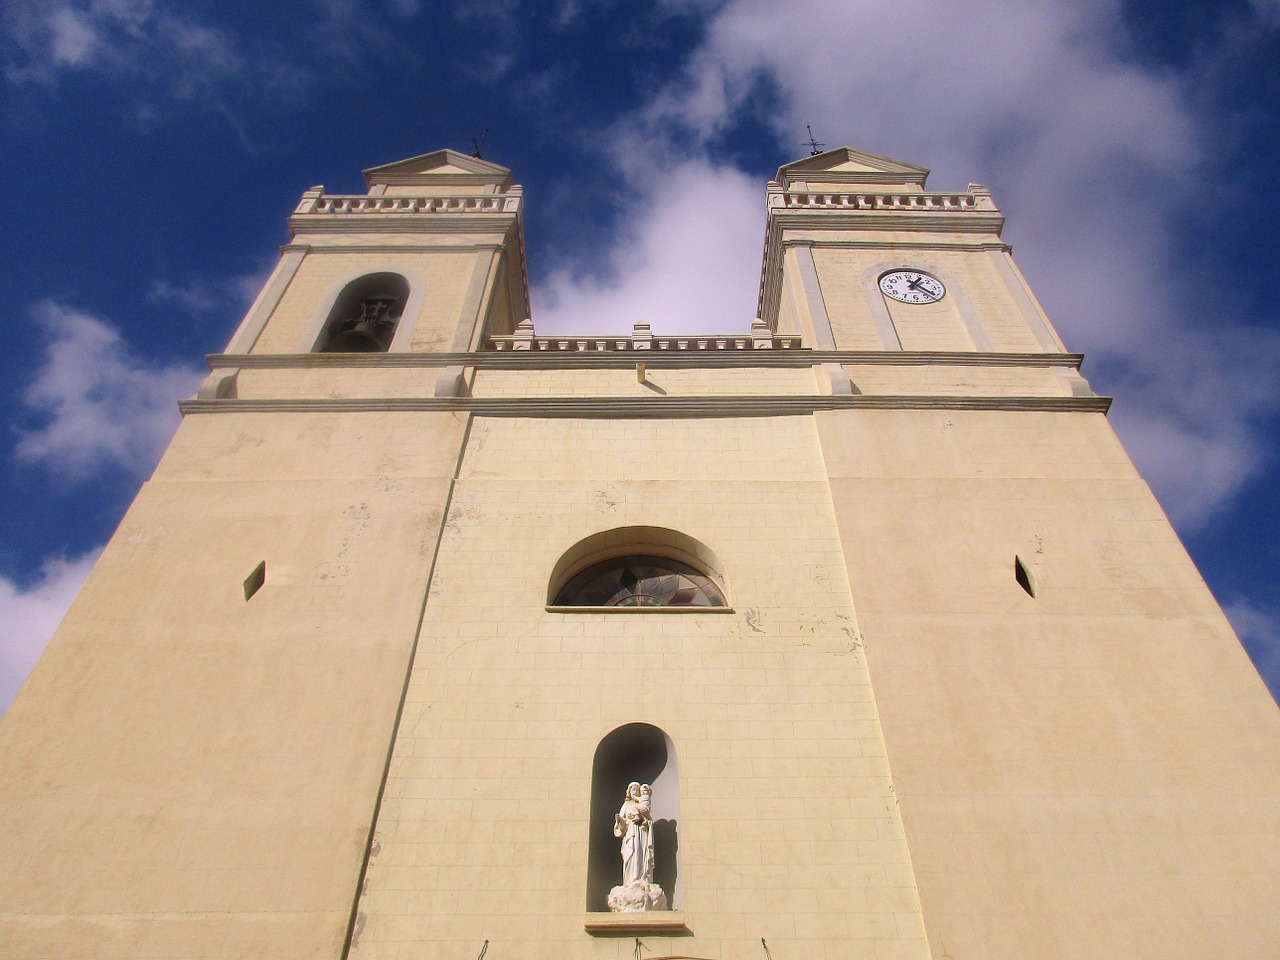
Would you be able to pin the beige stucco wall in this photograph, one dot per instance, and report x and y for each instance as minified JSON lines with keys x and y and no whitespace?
{"x":789,"y":828}
{"x":449,"y":190}
{"x":818,"y":185}
{"x":189,"y":774}
{"x":952,"y":380}
{"x":929,"y":326}
{"x":847,"y":278}
{"x":442,"y":277}
{"x":658,"y":381}
{"x":1090,"y":773}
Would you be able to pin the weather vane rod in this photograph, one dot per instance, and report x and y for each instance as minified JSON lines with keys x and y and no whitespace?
{"x":814,"y":146}
{"x":478,"y":145}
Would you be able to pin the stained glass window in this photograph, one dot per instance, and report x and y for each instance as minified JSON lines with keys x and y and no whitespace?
{"x":640,"y":581}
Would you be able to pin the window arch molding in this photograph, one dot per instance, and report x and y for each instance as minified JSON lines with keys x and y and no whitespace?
{"x":661,"y":543}
{"x":315,"y":331}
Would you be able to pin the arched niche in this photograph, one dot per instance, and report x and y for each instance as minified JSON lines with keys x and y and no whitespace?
{"x":364,"y":315}
{"x":678,"y":553}
{"x":640,"y":753}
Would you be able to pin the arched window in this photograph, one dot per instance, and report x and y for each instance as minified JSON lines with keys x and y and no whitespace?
{"x":640,"y":580}
{"x":364,"y":315}
{"x":639,"y":754}
{"x":631,"y":567}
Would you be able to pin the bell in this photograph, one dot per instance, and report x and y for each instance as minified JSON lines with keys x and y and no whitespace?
{"x":356,"y":340}
{"x":370,"y":332}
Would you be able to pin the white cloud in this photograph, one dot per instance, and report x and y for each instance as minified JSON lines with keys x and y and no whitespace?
{"x":690,"y":262}
{"x":96,"y":404}
{"x":73,"y":38}
{"x":198,"y":295}
{"x":1092,"y":157}
{"x":171,"y":52}
{"x":29,"y":615}
{"x":194,"y":296}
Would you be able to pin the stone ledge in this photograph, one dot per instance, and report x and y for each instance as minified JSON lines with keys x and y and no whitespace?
{"x":321,"y":223}
{"x":669,"y":923}
{"x":647,"y":407}
{"x":850,"y":218}
{"x":562,"y":608}
{"x":555,"y":360}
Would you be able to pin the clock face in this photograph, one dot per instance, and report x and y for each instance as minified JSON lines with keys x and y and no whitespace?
{"x":912,"y":286}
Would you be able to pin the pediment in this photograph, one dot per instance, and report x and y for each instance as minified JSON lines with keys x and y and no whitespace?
{"x":440,"y":166}
{"x":847,"y":165}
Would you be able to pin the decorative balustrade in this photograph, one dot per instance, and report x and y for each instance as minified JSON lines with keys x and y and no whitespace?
{"x":653,"y":344}
{"x":913,"y":202}
{"x":495,"y":203}
{"x":508,"y":203}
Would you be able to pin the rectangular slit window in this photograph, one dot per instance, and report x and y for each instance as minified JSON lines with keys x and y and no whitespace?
{"x":1023,"y":576}
{"x":253,"y":583}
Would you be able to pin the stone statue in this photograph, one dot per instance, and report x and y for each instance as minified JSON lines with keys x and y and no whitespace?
{"x":633,"y":824}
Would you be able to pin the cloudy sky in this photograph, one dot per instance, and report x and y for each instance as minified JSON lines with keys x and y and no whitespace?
{"x":151,"y":153}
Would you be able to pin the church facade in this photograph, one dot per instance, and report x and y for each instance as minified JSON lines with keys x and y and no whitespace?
{"x":852,"y":635}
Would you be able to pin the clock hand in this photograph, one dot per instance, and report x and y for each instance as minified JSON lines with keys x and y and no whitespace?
{"x":915,"y":285}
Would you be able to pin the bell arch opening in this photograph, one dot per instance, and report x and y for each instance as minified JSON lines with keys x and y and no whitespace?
{"x":636,"y":754}
{"x":638,"y":566}
{"x":364,"y":315}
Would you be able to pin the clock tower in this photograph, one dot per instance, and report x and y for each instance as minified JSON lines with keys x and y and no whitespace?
{"x":852,"y":634}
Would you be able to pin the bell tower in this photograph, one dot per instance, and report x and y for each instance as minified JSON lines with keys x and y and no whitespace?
{"x":192,"y":768}
{"x":431,"y":260}
{"x":1065,"y":709}
{"x":853,"y":635}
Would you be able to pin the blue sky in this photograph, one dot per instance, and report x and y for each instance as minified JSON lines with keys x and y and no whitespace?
{"x":151,"y":153}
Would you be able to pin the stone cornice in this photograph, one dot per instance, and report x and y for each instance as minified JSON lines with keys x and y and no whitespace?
{"x":406,"y":206}
{"x":537,"y":360}
{"x":646,"y":407}
{"x":964,"y":243}
{"x":845,"y":219}
{"x":472,"y":223}
{"x":943,"y":212}
{"x":465,"y":213}
{"x":315,"y":245}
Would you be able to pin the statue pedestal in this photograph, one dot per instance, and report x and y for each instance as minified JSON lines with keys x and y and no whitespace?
{"x":637,"y":897}
{"x":661,"y":923}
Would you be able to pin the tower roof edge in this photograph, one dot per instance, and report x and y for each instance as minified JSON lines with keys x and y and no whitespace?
{"x":439,"y":164}
{"x":848,"y":165}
